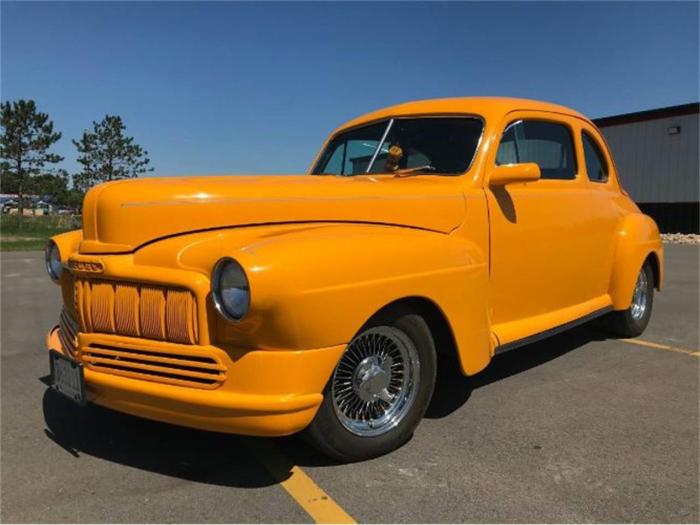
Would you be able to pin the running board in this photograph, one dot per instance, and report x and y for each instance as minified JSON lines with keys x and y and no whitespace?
{"x":552,"y":331}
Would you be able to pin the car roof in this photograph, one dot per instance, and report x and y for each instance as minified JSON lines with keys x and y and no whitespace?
{"x":487,"y":107}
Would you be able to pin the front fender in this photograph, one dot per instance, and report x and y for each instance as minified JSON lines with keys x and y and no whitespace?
{"x":68,"y":243}
{"x":637,"y":238}
{"x":315,"y":285}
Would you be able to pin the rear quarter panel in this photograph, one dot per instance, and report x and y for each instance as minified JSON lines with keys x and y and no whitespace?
{"x":637,"y":238}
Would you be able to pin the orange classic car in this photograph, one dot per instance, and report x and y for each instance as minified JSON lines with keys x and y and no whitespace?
{"x":269,"y":305}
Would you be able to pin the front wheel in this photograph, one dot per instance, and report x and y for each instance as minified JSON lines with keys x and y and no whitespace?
{"x":378,"y":392}
{"x":633,"y":321}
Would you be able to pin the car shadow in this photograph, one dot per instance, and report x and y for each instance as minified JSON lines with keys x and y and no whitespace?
{"x":452,"y":389}
{"x":223,"y":459}
{"x":204,"y":457}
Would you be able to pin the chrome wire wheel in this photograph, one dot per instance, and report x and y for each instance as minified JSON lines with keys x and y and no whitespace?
{"x":640,"y":297}
{"x":375,"y":383}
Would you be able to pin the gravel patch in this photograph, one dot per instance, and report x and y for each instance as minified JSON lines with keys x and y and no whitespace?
{"x":680,"y":238}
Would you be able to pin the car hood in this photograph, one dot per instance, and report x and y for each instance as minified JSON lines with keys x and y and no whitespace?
{"x":122,"y":215}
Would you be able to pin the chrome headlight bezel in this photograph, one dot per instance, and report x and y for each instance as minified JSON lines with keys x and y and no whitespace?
{"x":52,"y":258}
{"x":227,"y":311}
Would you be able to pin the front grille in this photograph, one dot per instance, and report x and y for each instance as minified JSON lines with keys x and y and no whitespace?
{"x":68,"y":332}
{"x":136,"y":310}
{"x":183,"y":369}
{"x":68,"y":293}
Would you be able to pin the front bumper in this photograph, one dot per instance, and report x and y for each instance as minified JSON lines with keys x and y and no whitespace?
{"x":266,"y":393}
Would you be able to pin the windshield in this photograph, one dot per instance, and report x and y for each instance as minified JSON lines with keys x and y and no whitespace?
{"x":439,"y":145}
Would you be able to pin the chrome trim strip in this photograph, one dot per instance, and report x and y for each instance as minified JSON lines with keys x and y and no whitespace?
{"x":552,"y":331}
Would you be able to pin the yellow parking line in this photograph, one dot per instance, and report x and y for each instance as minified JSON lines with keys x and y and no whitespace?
{"x":308,"y":495}
{"x":659,"y":346}
{"x":313,"y":499}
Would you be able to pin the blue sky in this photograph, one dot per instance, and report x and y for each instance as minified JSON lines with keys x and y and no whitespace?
{"x":255,"y":87}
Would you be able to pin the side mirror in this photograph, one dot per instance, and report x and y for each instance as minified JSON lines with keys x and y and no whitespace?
{"x":514,"y":173}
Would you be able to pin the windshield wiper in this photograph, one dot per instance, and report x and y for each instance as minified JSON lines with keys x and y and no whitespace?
{"x":406,"y":172}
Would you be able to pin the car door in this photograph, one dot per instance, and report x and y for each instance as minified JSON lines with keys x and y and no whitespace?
{"x":539,"y":230}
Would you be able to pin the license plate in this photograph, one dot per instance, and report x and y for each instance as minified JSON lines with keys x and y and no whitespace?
{"x":67,"y":377}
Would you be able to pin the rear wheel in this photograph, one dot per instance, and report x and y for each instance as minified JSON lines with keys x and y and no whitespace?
{"x":633,"y":321}
{"x":378,"y":392}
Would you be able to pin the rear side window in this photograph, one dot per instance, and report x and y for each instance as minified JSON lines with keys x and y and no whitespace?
{"x":596,"y":166}
{"x":547,"y":144}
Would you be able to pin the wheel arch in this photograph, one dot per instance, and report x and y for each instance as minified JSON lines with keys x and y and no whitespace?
{"x":638,"y":242}
{"x":435,"y":318}
{"x":653,"y":260}
{"x":441,"y":329}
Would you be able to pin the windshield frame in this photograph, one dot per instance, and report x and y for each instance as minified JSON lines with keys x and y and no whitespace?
{"x":389,"y":119}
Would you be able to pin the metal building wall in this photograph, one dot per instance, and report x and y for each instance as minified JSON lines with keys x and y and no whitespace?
{"x":659,"y":168}
{"x":655,"y":166}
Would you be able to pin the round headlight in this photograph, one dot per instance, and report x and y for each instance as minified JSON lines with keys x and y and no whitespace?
{"x":53,"y":261}
{"x":230,"y":289}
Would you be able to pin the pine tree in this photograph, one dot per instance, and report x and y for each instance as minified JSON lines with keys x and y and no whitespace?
{"x":107,"y":154}
{"x":26,"y":138}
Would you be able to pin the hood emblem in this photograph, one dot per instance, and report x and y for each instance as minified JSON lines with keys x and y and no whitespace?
{"x":86,"y":266}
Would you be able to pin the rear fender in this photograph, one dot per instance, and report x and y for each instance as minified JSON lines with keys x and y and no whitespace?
{"x":637,"y":239}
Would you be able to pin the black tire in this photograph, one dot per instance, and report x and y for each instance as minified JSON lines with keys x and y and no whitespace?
{"x":328,"y":435}
{"x":623,"y":323}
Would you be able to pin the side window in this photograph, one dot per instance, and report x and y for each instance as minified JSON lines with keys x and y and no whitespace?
{"x":596,"y":166}
{"x":547,"y":144}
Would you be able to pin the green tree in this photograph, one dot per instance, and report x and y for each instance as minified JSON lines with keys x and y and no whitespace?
{"x":27,"y":136}
{"x":54,"y":186}
{"x":74,"y":198}
{"x":106,"y":153}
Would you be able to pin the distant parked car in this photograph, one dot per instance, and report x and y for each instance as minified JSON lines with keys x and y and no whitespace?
{"x":66,"y":210}
{"x":10,"y":207}
{"x":270,"y":305}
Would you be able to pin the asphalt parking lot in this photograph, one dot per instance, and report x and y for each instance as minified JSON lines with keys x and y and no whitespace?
{"x":575,"y":428}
